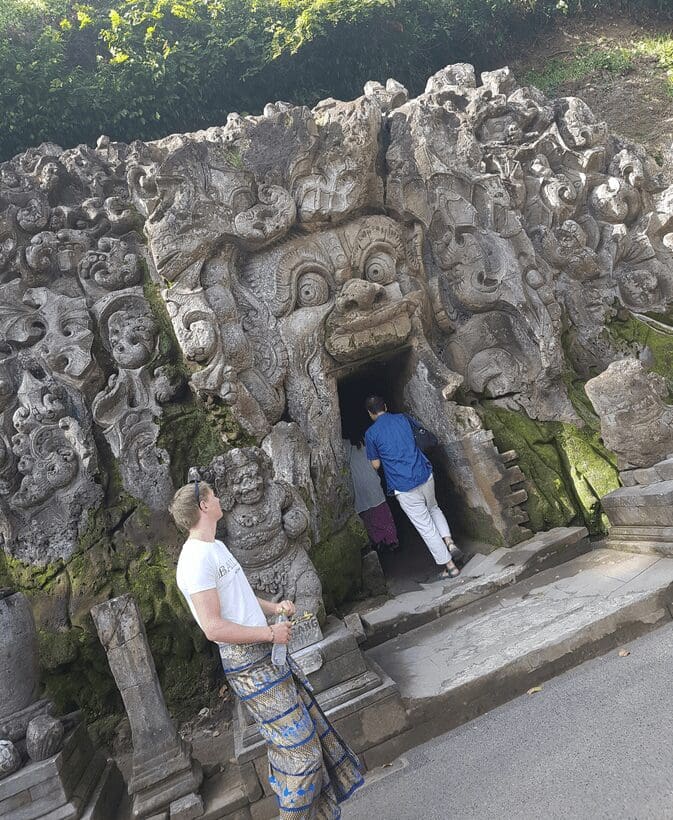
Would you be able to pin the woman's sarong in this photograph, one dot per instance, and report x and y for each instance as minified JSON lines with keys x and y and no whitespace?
{"x":379,"y":524}
{"x":311,"y":769}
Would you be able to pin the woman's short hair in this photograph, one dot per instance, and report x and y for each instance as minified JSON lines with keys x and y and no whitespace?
{"x":185,"y":506}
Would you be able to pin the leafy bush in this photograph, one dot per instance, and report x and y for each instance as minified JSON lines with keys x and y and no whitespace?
{"x":146,"y":68}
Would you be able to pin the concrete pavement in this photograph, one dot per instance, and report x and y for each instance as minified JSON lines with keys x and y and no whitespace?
{"x":595,"y":743}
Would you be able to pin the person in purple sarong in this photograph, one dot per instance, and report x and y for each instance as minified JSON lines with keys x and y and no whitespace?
{"x":369,"y":500}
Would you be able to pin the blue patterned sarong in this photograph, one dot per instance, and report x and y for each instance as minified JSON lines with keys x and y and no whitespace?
{"x":311,"y":769}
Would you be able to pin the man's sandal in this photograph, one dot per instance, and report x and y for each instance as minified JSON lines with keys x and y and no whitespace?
{"x":449,"y":573}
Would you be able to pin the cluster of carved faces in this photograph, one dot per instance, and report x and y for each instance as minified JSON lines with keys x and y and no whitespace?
{"x":70,"y":272}
{"x":291,"y":247}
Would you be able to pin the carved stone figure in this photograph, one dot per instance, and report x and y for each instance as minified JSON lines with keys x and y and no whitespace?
{"x":44,"y":737}
{"x":127,"y":408}
{"x":636,"y":423}
{"x":266,"y":527}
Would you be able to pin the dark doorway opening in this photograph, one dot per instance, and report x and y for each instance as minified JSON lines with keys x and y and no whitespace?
{"x":412,"y":563}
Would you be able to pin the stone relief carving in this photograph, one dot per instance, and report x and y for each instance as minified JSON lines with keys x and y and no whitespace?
{"x":636,"y":423}
{"x":487,"y":240}
{"x":266,"y":527}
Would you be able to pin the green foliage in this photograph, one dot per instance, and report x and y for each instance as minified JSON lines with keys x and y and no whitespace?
{"x":146,"y":68}
{"x":583,"y":63}
{"x":661,"y":48}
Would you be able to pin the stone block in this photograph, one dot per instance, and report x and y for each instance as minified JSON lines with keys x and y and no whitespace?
{"x":265,"y":809}
{"x":224,"y":795}
{"x":664,"y":470}
{"x":375,"y":724}
{"x":187,"y":807}
{"x":251,"y":781}
{"x":14,"y":802}
{"x":261,"y":765}
{"x":355,"y":626}
{"x":344,"y":668}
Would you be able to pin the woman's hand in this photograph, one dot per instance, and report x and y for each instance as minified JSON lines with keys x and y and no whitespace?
{"x":285,"y":608}
{"x":282,"y":632}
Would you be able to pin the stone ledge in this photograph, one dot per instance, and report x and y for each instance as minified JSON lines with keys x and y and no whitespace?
{"x":484,"y":575}
{"x":471,"y":661}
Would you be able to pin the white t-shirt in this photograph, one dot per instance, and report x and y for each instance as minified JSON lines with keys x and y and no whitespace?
{"x":206,"y":565}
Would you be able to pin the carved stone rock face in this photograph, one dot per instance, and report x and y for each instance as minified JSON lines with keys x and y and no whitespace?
{"x":480,"y":234}
{"x":636,"y":424}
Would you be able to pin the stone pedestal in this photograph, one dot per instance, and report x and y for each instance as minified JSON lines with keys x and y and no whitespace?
{"x":52,"y":770}
{"x":361,"y":701}
{"x":641,"y":512}
{"x":78,"y":782}
{"x":165,"y":780}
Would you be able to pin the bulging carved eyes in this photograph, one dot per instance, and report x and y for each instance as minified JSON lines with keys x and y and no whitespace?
{"x":312,"y":290}
{"x":380,"y":268}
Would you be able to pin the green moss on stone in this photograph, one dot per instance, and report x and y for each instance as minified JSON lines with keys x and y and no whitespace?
{"x":567,"y":468}
{"x":630,"y":335}
{"x":338,"y":560}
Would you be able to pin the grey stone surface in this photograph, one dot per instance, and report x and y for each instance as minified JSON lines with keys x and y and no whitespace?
{"x":482,"y":576}
{"x":44,"y":737}
{"x":19,"y":672}
{"x":10,"y":758}
{"x":163,"y":769}
{"x":77,"y":782}
{"x":636,"y":423}
{"x":467,"y":662}
{"x":595,"y":743}
{"x":373,"y":579}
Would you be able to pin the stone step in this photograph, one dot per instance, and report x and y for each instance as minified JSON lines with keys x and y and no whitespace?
{"x":468,"y":662}
{"x":484,"y":575}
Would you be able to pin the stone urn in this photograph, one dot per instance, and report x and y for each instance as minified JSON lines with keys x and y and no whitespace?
{"x":19,"y":671}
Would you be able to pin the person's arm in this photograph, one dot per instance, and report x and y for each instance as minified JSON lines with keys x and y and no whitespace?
{"x":281,"y":608}
{"x":215,"y":628}
{"x":372,"y":451}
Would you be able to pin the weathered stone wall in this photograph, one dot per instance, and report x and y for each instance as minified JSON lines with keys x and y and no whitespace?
{"x":162,"y":302}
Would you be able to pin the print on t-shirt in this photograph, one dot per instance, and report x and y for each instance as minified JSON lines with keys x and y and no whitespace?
{"x":230,"y":564}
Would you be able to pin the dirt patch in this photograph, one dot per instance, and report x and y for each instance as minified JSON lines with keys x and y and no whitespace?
{"x":634,"y":95}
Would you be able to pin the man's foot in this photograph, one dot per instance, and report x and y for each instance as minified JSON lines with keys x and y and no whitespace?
{"x":451,"y":571}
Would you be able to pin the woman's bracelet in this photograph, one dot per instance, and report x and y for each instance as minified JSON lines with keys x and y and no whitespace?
{"x":273,"y":635}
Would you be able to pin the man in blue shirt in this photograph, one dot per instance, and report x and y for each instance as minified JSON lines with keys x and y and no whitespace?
{"x":390,"y":442}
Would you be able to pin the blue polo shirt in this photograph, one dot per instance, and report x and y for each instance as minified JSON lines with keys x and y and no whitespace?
{"x":391,"y":440}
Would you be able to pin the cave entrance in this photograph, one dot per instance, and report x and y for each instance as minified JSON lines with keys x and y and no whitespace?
{"x":411,"y":563}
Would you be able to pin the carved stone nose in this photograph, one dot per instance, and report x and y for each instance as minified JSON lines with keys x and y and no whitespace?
{"x":359,"y":295}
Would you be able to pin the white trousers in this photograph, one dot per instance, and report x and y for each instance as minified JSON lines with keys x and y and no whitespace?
{"x":422,"y":509}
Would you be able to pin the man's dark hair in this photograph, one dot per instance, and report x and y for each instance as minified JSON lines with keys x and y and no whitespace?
{"x":375,"y":404}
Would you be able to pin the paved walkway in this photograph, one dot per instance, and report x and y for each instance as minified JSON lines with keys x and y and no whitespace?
{"x":597,"y":742}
